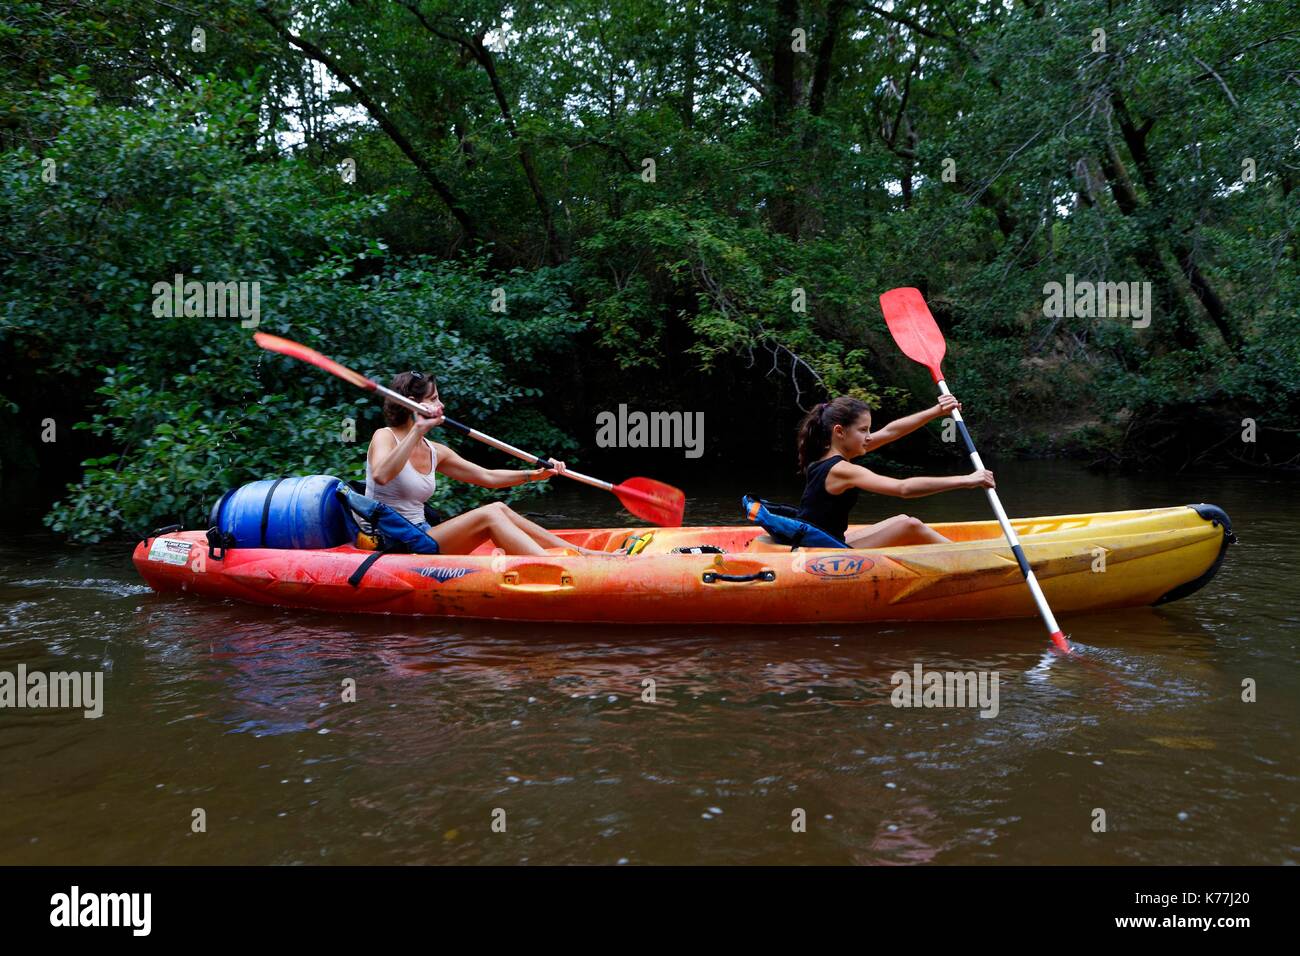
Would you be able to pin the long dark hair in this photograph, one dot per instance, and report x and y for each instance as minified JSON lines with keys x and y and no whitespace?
{"x":816,"y":427}
{"x":414,"y":385}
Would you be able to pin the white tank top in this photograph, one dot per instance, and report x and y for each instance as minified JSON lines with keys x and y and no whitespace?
{"x":407,"y":492}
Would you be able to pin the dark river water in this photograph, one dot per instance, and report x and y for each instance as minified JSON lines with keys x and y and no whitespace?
{"x":237,"y":711}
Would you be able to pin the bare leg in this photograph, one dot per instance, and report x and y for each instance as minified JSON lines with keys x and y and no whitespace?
{"x":463,"y":533}
{"x":543,"y":537}
{"x":898,"y":530}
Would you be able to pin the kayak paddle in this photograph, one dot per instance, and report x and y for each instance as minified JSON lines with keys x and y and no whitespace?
{"x":654,"y":501}
{"x":915,"y":331}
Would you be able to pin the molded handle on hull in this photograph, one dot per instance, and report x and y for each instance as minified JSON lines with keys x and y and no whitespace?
{"x":712,"y":576}
{"x":536,"y":577}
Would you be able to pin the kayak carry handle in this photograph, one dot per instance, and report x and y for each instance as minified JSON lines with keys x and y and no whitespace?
{"x":765,"y":575}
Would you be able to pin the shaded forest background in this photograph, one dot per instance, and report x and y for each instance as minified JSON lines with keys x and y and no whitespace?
{"x":657,"y":188}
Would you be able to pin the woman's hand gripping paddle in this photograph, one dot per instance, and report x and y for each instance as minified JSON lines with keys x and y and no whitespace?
{"x":654,"y":501}
{"x":915,"y":331}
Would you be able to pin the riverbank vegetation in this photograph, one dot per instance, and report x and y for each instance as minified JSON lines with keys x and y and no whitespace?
{"x":564,"y":206}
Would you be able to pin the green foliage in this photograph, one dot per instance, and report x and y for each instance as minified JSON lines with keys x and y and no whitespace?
{"x":977,"y":151}
{"x":191,"y":406}
{"x":754,"y":294}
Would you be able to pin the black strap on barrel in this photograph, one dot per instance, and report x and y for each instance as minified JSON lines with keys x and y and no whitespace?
{"x":266,"y":512}
{"x":219,"y":542}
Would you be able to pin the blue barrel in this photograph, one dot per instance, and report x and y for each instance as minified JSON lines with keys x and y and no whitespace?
{"x":289,"y":513}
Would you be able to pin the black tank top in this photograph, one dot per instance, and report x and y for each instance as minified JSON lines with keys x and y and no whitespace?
{"x":819,"y":507}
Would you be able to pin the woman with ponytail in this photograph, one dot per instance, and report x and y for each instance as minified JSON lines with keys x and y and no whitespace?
{"x":831,"y":435}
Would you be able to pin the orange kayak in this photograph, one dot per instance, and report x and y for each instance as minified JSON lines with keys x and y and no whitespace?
{"x":1085,"y":562}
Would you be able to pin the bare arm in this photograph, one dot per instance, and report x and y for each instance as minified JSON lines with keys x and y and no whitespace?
{"x":388,"y":456}
{"x":905,"y":426}
{"x":454,"y":466}
{"x":846,"y":475}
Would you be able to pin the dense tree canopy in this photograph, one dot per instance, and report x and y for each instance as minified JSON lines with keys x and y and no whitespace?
{"x":707,"y":190}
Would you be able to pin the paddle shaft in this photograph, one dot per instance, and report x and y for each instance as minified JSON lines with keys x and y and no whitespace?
{"x":1012,"y":538}
{"x":652,"y":500}
{"x":496,"y":443}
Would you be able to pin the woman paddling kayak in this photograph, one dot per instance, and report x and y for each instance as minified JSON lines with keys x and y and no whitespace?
{"x":402,"y":467}
{"x":833,"y":434}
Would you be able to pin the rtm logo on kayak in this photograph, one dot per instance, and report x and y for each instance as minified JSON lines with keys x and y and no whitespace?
{"x":834,"y":565}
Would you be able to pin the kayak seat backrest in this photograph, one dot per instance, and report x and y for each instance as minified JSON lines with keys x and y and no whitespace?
{"x":783,"y":527}
{"x":395,"y":533}
{"x":766,"y":543}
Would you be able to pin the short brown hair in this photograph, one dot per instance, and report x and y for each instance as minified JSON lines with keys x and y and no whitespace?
{"x":414,"y":385}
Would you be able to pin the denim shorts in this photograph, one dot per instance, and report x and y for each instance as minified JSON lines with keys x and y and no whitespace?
{"x":426,"y":527}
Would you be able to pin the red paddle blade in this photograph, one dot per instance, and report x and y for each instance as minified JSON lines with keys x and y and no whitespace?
{"x":914,"y":328}
{"x":273,"y":343}
{"x":652,"y":500}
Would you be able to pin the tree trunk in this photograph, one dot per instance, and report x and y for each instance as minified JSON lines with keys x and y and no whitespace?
{"x":825,"y":54}
{"x":1148,"y":254}
{"x":783,"y":90}
{"x":691,"y":66}
{"x":484,"y":57}
{"x":783,"y":86}
{"x":381,"y":117}
{"x":1135,"y":138}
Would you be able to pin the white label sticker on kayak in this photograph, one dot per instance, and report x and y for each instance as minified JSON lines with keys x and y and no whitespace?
{"x":169,"y":551}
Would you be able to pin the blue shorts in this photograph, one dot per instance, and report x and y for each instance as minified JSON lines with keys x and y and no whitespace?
{"x":426,"y":528}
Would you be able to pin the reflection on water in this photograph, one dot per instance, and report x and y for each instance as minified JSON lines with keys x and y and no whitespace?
{"x":240,"y":711}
